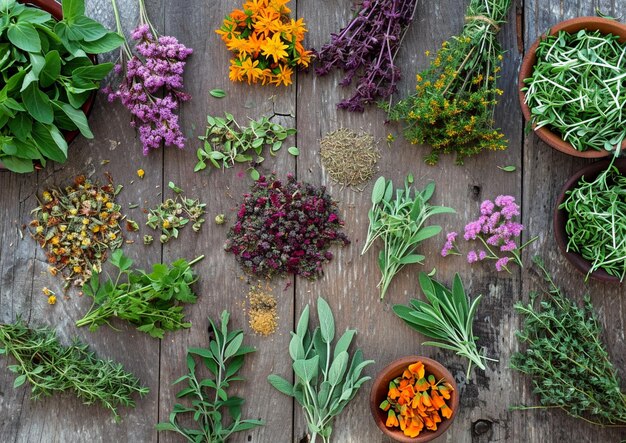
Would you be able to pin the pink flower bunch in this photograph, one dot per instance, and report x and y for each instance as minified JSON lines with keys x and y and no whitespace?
{"x":157,"y":66}
{"x":497,"y":232}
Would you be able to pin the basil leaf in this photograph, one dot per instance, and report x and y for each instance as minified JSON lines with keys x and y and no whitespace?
{"x":78,"y":118}
{"x":73,"y":9}
{"x":94,"y":72}
{"x":18,"y":165}
{"x":107,"y":43}
{"x":51,"y":69}
{"x":38,"y":104}
{"x":21,"y":125}
{"x":24,"y":36}
{"x":47,"y":144}
{"x":34,"y":16}
{"x":88,"y":29}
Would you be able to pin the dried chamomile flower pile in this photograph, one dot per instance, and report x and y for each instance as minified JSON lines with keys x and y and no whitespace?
{"x":77,"y":226}
{"x":173,"y":214}
{"x":285,"y":227}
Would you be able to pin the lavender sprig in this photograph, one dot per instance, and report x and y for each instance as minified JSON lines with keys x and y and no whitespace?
{"x":366,"y":48}
{"x":158,"y":65}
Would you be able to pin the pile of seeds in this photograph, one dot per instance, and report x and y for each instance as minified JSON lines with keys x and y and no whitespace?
{"x":349,"y":158}
{"x":173,"y":214}
{"x":77,"y":226}
{"x":262,"y":314}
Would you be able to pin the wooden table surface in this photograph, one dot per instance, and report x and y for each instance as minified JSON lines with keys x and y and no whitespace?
{"x":349,"y":283}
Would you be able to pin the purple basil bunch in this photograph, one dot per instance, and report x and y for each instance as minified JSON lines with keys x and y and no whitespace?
{"x":496,"y":232}
{"x":366,"y":48}
{"x":285,"y":227}
{"x":152,"y":87}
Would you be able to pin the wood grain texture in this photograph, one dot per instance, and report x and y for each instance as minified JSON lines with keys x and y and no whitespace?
{"x":349,"y":282}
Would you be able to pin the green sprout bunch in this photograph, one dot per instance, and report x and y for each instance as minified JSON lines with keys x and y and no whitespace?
{"x":453,"y":104}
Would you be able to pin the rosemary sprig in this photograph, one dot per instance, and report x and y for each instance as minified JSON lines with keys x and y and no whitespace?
{"x":223,"y":358}
{"x":50,"y":367}
{"x":399,"y":223}
{"x":448,"y":318}
{"x":564,"y":356}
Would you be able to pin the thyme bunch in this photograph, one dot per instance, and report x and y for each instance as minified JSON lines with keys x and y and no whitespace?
{"x":50,"y":367}
{"x":565,"y":358}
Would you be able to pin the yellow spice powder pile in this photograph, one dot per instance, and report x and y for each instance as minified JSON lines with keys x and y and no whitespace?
{"x":262,"y":314}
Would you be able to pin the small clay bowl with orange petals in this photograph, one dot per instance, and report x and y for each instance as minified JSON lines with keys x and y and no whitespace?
{"x":380,"y":389}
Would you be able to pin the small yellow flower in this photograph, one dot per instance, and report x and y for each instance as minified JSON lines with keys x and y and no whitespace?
{"x":85,"y":221}
{"x":52,"y":270}
{"x":427,"y":53}
{"x":109,"y":205}
{"x":112,"y":235}
{"x":52,"y":300}
{"x":39,"y":229}
{"x":140,"y":173}
{"x":77,"y":269}
{"x":166,"y":224}
{"x":390,"y":138}
{"x":86,"y":242}
{"x":47,"y":292}
{"x":62,"y":228}
{"x":73,"y":211}
{"x":47,"y":197}
{"x":95,"y":229}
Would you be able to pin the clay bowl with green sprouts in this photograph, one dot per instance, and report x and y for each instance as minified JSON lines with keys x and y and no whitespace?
{"x":571,"y":87}
{"x":590,"y":220}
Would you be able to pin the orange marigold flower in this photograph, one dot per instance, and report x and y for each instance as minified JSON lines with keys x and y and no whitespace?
{"x":417,"y":368}
{"x":414,"y":428}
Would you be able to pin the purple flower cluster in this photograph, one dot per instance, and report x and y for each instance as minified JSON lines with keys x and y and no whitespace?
{"x":366,"y":48}
{"x":285,"y":228}
{"x":497,"y":231}
{"x":159,"y":66}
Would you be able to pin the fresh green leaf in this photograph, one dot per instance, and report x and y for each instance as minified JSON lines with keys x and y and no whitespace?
{"x":72,"y":9}
{"x":281,"y":384}
{"x":507,"y":168}
{"x":327,"y":322}
{"x":77,"y":116}
{"x":107,"y":43}
{"x":217,"y":93}
{"x":294,"y":151}
{"x":24,"y":36}
{"x":38,"y":104}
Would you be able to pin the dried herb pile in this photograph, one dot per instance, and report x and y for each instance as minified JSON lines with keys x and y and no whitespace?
{"x":349,"y":158}
{"x":262,"y":312}
{"x":366,"y":48}
{"x":565,"y":358}
{"x":77,"y":227}
{"x":285,"y":227}
{"x":50,"y":367}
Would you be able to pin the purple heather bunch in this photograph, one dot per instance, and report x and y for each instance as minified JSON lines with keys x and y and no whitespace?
{"x":497,"y":232}
{"x":152,"y":83}
{"x":285,"y":227}
{"x":366,"y":49}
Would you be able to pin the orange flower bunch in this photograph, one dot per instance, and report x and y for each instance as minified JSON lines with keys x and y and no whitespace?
{"x":415,"y":401}
{"x":267,"y":43}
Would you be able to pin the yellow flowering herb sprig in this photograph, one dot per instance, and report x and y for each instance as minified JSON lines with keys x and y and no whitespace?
{"x":266,"y":43}
{"x":77,"y":226}
{"x":454,"y":100}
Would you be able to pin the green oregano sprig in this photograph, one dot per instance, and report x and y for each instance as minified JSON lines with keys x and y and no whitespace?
{"x":400,"y":223}
{"x":208,"y":397}
{"x":324,"y":381}
{"x":152,"y":301}
{"x":447,"y":318}
{"x":226,"y":142}
{"x":50,"y":367}
{"x":576,"y":89}
{"x":565,"y":358}
{"x":595,"y":221}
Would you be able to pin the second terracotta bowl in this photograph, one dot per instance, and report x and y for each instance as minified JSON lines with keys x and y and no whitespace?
{"x":380,"y":388}
{"x":590,"y":172}
{"x":553,"y":139}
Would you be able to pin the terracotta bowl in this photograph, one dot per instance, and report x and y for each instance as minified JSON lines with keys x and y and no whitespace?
{"x":603,"y":25}
{"x":590,"y":172}
{"x":381,"y":387}
{"x":54,"y":8}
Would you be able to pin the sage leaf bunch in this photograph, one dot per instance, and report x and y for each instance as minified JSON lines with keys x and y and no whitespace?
{"x":50,"y":367}
{"x":208,"y":397}
{"x":46,"y":78}
{"x":564,"y":356}
{"x":326,"y":378}
{"x":398,"y":220}
{"x":447,"y":317}
{"x":151,"y":301}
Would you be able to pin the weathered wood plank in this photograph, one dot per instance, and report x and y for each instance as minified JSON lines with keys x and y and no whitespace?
{"x":545,"y":172}
{"x":24,"y":270}
{"x":350,"y":282}
{"x":221,"y":285}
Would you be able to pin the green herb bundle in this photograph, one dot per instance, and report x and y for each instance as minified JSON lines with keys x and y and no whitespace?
{"x":400,"y":224}
{"x":447,"y":318}
{"x":46,"y":79}
{"x":576,"y":89}
{"x":596,"y":226}
{"x":50,"y":367}
{"x":150,"y":301}
{"x":223,"y":358}
{"x":324,"y":385}
{"x":454,"y":101}
{"x":226,"y":142}
{"x":564,"y":356}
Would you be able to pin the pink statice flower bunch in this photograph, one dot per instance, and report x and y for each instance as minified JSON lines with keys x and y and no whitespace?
{"x":152,"y":87}
{"x":496,"y":231}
